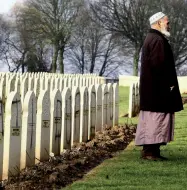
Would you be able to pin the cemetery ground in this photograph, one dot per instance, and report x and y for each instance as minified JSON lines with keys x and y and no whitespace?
{"x":117,"y":169}
{"x":73,"y":164}
{"x":128,"y":172}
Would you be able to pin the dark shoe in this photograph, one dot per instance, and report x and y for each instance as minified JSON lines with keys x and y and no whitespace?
{"x":162,"y":157}
{"x":152,"y":158}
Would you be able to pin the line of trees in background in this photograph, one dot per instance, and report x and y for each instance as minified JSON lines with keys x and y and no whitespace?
{"x":84,"y":36}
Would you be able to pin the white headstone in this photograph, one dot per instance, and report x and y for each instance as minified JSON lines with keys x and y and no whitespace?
{"x":116,"y":104}
{"x":24,"y":89}
{"x":61,"y":84}
{"x":12,"y":135}
{"x":73,"y":82}
{"x":31,"y":84}
{"x":92,"y":112}
{"x":84,"y":114}
{"x":1,"y":128}
{"x":66,"y":119}
{"x":98,"y":89}
{"x":2,"y":89}
{"x":28,"y":136}
{"x":70,"y":82}
{"x":52,"y":84}
{"x":77,"y":82}
{"x":75,"y":115}
{"x":87,"y":82}
{"x":10,"y":85}
{"x":104,"y":105}
{"x":17,"y":85}
{"x":83,"y":81}
{"x":65,"y":82}
{"x":36,"y":87}
{"x":57,"y":83}
{"x":110,"y":110}
{"x":43,"y":126}
{"x":42,"y":83}
{"x":56,"y":121}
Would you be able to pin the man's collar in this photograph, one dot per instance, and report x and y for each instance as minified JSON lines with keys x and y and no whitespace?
{"x":157,"y":32}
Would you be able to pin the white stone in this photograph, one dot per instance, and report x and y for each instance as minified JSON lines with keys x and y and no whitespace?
{"x":31,"y":84}
{"x":24,"y":89}
{"x":10,"y":85}
{"x":83,"y":114}
{"x":87,"y":82}
{"x":57,"y":83}
{"x":1,"y":134}
{"x":28,"y":136}
{"x":104,"y":105}
{"x":56,"y":121}
{"x":65,"y":82}
{"x":52,"y":84}
{"x":12,"y":135}
{"x":36,"y":87}
{"x":61,"y":84}
{"x":83,"y":81}
{"x":43,"y":127}
{"x":91,"y":112}
{"x":75,"y":115}
{"x":42,"y":83}
{"x":66,"y":119}
{"x":17,"y":85}
{"x":2,"y":89}
{"x":116,"y":104}
{"x":77,"y":82}
{"x":73,"y":82}
{"x":69,"y":82}
{"x":98,"y":89}
{"x":110,"y":111}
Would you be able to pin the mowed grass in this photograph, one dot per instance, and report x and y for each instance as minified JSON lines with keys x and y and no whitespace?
{"x":128,"y":172}
{"x":124,"y":106}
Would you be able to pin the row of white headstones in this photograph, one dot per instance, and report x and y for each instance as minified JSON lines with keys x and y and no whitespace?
{"x":134,"y":100}
{"x":43,"y":115}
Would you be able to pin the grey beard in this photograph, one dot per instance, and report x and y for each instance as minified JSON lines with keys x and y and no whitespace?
{"x":166,"y":33}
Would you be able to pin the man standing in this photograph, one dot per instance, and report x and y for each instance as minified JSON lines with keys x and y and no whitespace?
{"x":159,"y":90}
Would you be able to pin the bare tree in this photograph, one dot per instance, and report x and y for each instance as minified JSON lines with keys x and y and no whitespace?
{"x":54,"y":20}
{"x":129,"y":18}
{"x":177,"y":12}
{"x":92,"y":49}
{"x":4,"y":35}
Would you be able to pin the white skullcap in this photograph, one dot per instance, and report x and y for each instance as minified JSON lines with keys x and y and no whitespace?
{"x":156,"y":17}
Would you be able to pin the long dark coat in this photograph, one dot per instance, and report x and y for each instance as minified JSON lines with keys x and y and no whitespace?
{"x":157,"y":75}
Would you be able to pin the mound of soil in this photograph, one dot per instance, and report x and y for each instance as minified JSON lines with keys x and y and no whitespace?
{"x":72,"y":164}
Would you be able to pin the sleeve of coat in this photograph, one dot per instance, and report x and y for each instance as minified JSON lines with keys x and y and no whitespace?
{"x":157,"y":54}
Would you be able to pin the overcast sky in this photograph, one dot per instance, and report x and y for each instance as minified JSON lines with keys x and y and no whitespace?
{"x":6,"y":5}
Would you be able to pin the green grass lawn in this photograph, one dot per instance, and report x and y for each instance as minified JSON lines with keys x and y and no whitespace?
{"x":128,"y":172}
{"x":124,"y":106}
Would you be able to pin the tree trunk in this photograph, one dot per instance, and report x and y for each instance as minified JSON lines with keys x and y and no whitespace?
{"x":23,"y":62}
{"x":55,"y":56}
{"x":22,"y":68}
{"x":136,"y":60}
{"x":61,"y":60}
